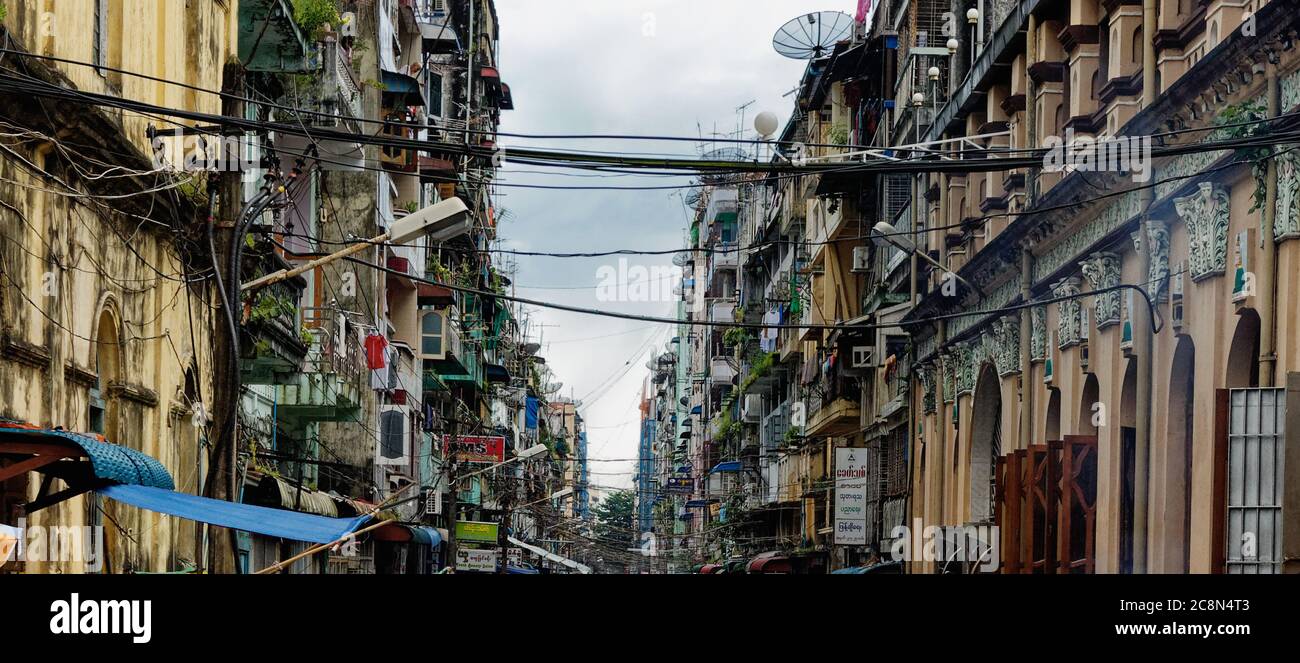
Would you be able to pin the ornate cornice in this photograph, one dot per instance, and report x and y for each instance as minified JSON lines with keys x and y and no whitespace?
{"x":1206,"y":215}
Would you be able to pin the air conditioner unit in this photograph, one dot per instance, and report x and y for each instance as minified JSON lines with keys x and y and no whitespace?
{"x":432,"y":502}
{"x":753,"y":410}
{"x":861,"y":260}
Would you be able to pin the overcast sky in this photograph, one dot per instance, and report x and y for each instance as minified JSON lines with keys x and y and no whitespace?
{"x":637,"y":67}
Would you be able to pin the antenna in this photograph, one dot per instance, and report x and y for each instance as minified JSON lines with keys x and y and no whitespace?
{"x":812,"y":36}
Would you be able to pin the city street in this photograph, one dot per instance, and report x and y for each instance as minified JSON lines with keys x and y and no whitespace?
{"x":651,"y":287}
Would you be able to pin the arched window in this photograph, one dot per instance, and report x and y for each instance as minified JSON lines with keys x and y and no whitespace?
{"x":986,"y":444}
{"x":1136,"y":56}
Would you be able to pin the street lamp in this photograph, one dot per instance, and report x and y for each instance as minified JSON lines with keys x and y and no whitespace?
{"x":559,"y":494}
{"x":885,"y":233}
{"x":530,"y":452}
{"x":439,"y":222}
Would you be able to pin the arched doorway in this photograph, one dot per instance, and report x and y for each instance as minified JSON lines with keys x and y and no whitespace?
{"x":1243,"y":354}
{"x":986,"y":443}
{"x":1178,"y":471}
{"x":1089,"y":406}
{"x":1128,"y":465}
{"x":115,"y":520}
{"x":1053,"y":430}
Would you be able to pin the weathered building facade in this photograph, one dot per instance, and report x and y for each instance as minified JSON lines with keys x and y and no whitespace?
{"x":1099,"y":434}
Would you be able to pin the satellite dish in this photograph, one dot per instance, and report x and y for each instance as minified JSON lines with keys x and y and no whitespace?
{"x":812,"y":36}
{"x":725,"y":154}
{"x":766,"y":124}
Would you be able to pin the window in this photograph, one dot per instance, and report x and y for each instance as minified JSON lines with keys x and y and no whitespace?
{"x":432,"y":335}
{"x":435,"y":95}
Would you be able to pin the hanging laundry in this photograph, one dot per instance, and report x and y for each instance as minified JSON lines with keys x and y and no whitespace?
{"x":376,"y":351}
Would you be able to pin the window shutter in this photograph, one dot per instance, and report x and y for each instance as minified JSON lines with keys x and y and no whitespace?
{"x":392,"y":432}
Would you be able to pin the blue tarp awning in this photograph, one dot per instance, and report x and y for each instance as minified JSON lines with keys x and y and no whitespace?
{"x":728,"y":466}
{"x":696,"y":504}
{"x":406,"y":87}
{"x":233,"y":515}
{"x":426,"y":535}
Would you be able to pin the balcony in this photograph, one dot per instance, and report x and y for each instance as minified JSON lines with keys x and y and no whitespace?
{"x":329,"y":387}
{"x":726,"y":255}
{"x":721,"y":371}
{"x":272,"y":344}
{"x":269,"y":38}
{"x":436,"y":30}
{"x":833,"y":413}
{"x":723,"y":311}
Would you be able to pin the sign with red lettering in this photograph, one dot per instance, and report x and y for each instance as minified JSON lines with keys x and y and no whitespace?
{"x":471,"y":449}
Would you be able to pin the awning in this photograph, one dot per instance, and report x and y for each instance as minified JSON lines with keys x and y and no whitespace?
{"x":546,"y":554}
{"x":522,"y":570}
{"x":699,"y":504}
{"x":728,"y":466}
{"x":233,"y":515}
{"x":490,"y":72}
{"x":439,"y":36}
{"x":406,"y":89}
{"x":708,"y":569}
{"x":399,"y":533}
{"x":770,"y":562}
{"x":497,"y":373}
{"x":507,"y":100}
{"x":108,"y":462}
{"x":280,"y":494}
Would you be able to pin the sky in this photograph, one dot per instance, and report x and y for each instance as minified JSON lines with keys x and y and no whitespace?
{"x":628,"y":67}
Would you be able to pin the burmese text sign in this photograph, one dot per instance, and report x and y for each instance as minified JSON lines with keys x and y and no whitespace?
{"x":850,"y":497}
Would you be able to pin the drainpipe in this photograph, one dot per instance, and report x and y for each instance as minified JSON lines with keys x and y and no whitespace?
{"x":1143,"y":340}
{"x":1031,"y":110}
{"x":1267,"y":286}
{"x":1026,"y":334}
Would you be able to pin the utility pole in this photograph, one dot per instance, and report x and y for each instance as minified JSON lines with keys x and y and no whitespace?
{"x":220,"y":482}
{"x":452,"y":496}
{"x":503,"y":528}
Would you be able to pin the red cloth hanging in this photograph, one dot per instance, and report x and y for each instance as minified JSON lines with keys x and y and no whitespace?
{"x":376,"y":355}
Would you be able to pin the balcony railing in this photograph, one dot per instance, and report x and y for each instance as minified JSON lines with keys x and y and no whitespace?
{"x":721,"y":371}
{"x":329,"y":387}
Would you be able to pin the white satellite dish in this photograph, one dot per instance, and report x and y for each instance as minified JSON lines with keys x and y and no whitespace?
{"x":812,"y":36}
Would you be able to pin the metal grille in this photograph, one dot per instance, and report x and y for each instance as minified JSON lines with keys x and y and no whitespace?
{"x":1255,"y":480}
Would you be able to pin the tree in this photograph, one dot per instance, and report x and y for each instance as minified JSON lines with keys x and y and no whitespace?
{"x":615,"y":524}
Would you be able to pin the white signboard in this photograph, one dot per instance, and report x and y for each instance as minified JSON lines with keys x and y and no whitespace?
{"x":469,"y":559}
{"x":850,"y":497}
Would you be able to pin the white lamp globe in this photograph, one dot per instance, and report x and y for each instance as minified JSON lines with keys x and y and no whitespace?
{"x":972,"y":15}
{"x":953,"y":44}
